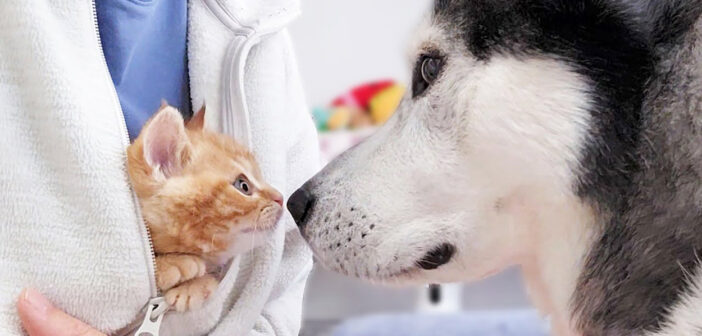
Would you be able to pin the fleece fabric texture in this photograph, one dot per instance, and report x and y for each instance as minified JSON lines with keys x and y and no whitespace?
{"x":69,"y":223}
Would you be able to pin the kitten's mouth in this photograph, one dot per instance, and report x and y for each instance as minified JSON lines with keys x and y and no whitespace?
{"x":267,"y":220}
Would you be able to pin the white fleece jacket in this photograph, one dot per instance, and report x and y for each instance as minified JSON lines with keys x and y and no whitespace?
{"x":69,"y":222}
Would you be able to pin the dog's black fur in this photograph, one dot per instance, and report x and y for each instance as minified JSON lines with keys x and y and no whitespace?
{"x":628,"y":51}
{"x":599,"y":43}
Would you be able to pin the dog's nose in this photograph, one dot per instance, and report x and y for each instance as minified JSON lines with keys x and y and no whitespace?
{"x":300,"y":204}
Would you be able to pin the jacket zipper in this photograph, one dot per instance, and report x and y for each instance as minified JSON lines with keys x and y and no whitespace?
{"x":156,"y":307}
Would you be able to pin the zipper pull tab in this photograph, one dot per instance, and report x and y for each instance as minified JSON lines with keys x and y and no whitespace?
{"x":155,"y":310}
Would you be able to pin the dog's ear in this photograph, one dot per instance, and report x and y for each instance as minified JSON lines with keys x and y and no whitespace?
{"x":166,"y":144}
{"x":197,"y":122}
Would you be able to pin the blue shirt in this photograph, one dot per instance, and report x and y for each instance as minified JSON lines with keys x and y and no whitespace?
{"x":144,"y":42}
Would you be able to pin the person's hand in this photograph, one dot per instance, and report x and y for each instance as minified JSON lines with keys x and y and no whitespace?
{"x":40,"y":318}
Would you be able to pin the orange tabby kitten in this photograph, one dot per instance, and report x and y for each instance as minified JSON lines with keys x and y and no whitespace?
{"x":203,"y":199}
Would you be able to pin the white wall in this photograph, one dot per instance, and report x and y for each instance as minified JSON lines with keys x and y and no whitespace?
{"x":341,"y":43}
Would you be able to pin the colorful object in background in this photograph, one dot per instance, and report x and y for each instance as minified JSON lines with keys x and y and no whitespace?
{"x":360,"y":119}
{"x":321,"y":117}
{"x":365,"y":105}
{"x":361,"y":95}
{"x":339,"y":119}
{"x":384,"y":104}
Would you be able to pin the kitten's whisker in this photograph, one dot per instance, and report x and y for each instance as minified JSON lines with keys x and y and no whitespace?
{"x":253,"y":241}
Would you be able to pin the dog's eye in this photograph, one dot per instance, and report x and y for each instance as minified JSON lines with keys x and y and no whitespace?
{"x":243,"y":185}
{"x":427,"y":71}
{"x":430,"y":69}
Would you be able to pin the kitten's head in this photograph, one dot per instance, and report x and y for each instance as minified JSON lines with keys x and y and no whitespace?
{"x":200,"y":192}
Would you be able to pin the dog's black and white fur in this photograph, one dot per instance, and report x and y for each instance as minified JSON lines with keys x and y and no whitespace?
{"x":563,"y":136}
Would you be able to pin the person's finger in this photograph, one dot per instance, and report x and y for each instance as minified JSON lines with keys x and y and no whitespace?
{"x":40,"y":318}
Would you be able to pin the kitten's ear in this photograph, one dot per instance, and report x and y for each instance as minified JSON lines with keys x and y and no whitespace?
{"x":197,"y":122}
{"x":166,"y":145}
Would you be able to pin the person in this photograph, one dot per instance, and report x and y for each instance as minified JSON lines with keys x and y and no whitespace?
{"x":76,"y":82}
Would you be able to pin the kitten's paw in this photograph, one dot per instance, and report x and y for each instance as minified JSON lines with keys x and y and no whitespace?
{"x":172,"y":269}
{"x":192,"y":294}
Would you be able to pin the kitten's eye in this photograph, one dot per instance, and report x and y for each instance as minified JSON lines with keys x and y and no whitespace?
{"x":243,"y":185}
{"x":427,"y":71}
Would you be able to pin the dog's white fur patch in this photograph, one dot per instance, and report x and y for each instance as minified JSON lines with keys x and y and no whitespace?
{"x":531,"y":116}
{"x":562,"y":237}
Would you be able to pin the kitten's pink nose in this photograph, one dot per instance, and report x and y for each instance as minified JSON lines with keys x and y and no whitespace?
{"x":275,"y":196}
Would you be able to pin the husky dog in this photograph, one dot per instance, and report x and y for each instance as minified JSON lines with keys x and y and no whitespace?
{"x":562,"y":136}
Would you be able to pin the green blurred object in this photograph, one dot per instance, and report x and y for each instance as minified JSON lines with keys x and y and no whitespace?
{"x":321,"y":117}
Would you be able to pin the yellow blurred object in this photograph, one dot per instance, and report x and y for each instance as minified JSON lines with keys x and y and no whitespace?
{"x":384,"y":104}
{"x":340,"y":118}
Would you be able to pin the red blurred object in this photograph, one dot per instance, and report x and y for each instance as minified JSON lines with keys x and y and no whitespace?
{"x":361,"y":95}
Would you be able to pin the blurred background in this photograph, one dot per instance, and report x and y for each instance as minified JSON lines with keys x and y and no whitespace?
{"x":353,"y":61}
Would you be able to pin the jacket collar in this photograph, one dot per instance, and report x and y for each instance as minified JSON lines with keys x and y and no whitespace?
{"x":259,"y":17}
